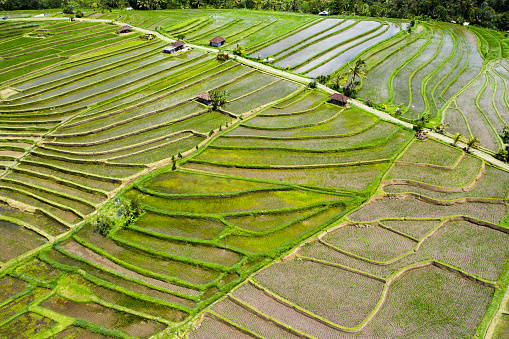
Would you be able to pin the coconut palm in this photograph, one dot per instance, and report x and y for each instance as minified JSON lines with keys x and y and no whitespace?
{"x":358,"y":70}
{"x":456,"y":138}
{"x":472,"y":142}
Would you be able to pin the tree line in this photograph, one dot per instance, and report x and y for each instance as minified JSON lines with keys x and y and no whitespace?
{"x":485,"y":13}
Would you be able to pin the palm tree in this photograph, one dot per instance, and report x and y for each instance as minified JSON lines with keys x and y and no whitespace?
{"x":472,"y":142}
{"x":358,"y":70}
{"x":456,"y":138}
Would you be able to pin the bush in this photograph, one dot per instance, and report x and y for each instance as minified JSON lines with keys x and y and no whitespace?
{"x":419,"y":126}
{"x":68,"y":10}
{"x":79,"y":14}
{"x":133,"y":210}
{"x":313,"y":84}
{"x":103,"y":225}
{"x":502,"y":154}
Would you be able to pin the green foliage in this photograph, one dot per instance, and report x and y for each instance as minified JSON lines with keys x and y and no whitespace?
{"x":103,"y":225}
{"x":505,"y":134}
{"x":359,"y":70}
{"x":313,"y":84}
{"x":502,"y":154}
{"x":219,"y":98}
{"x":472,"y":142}
{"x":456,"y":138}
{"x":239,"y":50}
{"x":441,"y":128}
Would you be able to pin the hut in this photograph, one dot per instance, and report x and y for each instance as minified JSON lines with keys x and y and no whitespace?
{"x":169,"y":50}
{"x":217,"y":41}
{"x":339,"y":99}
{"x":204,"y":98}
{"x":126,"y":29}
{"x":3,"y":17}
{"x":178,"y":45}
{"x":324,"y":13}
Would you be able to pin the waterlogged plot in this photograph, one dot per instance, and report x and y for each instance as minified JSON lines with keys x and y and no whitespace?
{"x":410,"y":207}
{"x":322,"y":292}
{"x":317,"y":48}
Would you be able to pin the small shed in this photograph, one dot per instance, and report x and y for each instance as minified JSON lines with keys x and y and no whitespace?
{"x":324,"y":13}
{"x":129,"y":9}
{"x":126,"y":29}
{"x":3,"y":17}
{"x":217,"y":41}
{"x":169,"y":50}
{"x":204,"y":98}
{"x":178,"y":45}
{"x":339,"y":99}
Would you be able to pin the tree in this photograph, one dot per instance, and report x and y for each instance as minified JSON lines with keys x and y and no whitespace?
{"x":456,"y":138}
{"x":103,"y":225}
{"x":472,"y":142}
{"x":240,"y":50}
{"x":148,"y":4}
{"x":219,"y":98}
{"x":357,"y":70}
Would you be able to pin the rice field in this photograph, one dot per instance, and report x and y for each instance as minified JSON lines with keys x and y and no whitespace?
{"x":131,"y":209}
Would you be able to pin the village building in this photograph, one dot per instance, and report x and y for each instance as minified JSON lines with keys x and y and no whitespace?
{"x":339,"y":99}
{"x":204,"y":98}
{"x":217,"y":41}
{"x":126,"y":29}
{"x":324,"y":13}
{"x":174,"y":47}
{"x":178,"y":45}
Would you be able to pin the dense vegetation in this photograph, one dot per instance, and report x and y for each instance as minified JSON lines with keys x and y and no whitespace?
{"x":485,"y":13}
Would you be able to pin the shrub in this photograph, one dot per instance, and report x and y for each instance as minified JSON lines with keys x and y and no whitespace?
{"x":505,"y":134}
{"x":68,"y":9}
{"x":240,"y":50}
{"x":502,"y":154}
{"x":79,"y":14}
{"x":313,"y":84}
{"x":103,"y":225}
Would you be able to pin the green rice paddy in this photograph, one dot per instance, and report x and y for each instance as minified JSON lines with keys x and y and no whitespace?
{"x":277,"y":215}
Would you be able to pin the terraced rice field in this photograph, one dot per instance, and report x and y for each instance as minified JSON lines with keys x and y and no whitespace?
{"x":437,"y":217}
{"x":277,"y":215}
{"x":453,"y":73}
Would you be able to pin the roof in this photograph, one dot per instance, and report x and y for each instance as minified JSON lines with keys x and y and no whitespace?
{"x":204,"y":96}
{"x":339,"y":97}
{"x":218,"y":39}
{"x":125,"y":28}
{"x":177,"y":44}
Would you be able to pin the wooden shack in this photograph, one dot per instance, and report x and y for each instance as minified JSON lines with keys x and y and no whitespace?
{"x":204,"y":98}
{"x":339,"y":99}
{"x":217,"y":41}
{"x":178,"y":45}
{"x":125,"y":29}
